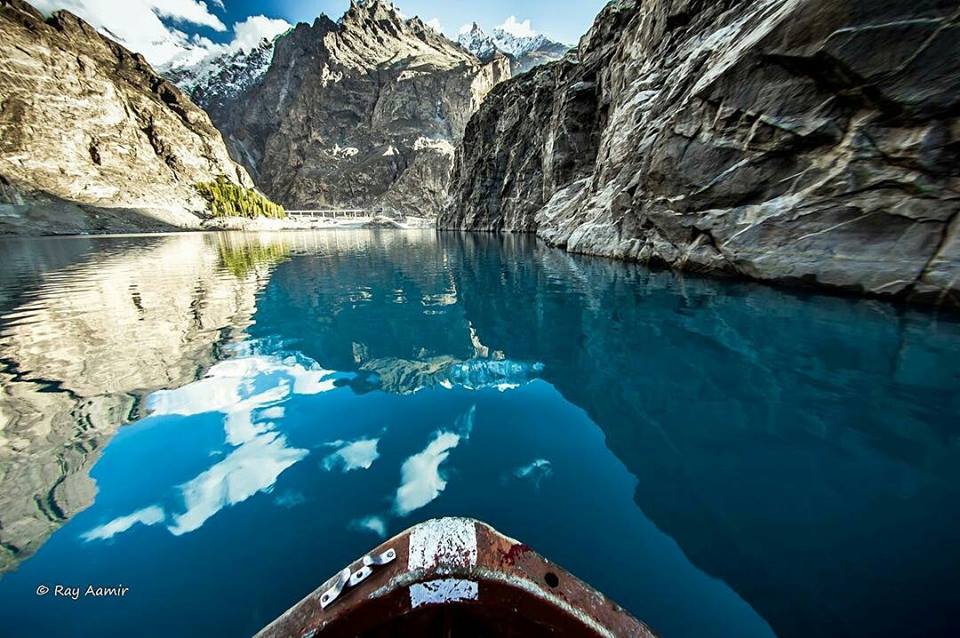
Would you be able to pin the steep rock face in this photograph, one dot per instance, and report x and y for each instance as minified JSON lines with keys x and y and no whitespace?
{"x":807,"y":141}
{"x":358,"y":113}
{"x":91,"y":138}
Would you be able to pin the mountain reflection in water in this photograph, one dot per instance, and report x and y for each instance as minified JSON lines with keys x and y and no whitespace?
{"x":721,"y":458}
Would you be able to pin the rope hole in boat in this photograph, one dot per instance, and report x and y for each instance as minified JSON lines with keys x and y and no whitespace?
{"x":551,"y":579}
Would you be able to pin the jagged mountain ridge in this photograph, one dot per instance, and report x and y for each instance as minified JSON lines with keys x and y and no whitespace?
{"x":524,"y":52}
{"x":364,"y":112}
{"x":218,"y":79}
{"x":812,"y":143}
{"x":91,"y":139}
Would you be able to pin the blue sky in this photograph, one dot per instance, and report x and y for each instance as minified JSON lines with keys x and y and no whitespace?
{"x":174,"y":32}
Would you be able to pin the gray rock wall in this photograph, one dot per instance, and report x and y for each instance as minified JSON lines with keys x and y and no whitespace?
{"x":808,"y":141}
{"x":358,"y":113}
{"x":91,"y":138}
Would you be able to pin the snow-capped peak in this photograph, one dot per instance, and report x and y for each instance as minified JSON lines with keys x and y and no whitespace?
{"x":221,"y":75}
{"x":516,"y":45}
{"x":475,"y":40}
{"x":514,"y":39}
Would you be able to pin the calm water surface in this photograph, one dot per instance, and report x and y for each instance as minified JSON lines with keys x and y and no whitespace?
{"x":723,"y":459}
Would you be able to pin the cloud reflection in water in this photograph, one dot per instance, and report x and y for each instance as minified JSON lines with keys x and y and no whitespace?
{"x":374,"y":524}
{"x":354,"y":455}
{"x":247,"y":391}
{"x":253,"y":467}
{"x":147,"y":516}
{"x":420,"y":478}
{"x":420,"y":475}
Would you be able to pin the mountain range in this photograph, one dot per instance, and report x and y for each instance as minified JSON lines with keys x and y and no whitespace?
{"x":215,"y":80}
{"x":364,"y":111}
{"x":524,"y":52}
{"x":809,"y":144}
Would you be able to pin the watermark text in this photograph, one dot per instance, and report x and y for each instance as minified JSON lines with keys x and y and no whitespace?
{"x":76,"y":592}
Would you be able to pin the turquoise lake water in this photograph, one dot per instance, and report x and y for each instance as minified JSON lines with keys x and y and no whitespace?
{"x":721,"y":458}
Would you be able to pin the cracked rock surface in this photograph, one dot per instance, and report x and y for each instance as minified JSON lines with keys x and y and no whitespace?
{"x":361,"y":112}
{"x":806,"y":141}
{"x":91,"y":139}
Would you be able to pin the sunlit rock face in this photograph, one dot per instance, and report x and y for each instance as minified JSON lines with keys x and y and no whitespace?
{"x":361,"y":112}
{"x":82,"y":350}
{"x":805,"y":142}
{"x":91,"y":138}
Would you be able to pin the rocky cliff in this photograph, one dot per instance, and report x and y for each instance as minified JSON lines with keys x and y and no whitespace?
{"x":810,"y":141}
{"x":364,"y":111}
{"x":91,"y":138}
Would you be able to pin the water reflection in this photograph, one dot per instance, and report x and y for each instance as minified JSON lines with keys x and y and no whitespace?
{"x":353,"y":455}
{"x":88,"y":328}
{"x":252,"y":467}
{"x":781,"y":464}
{"x":247,"y":391}
{"x":535,"y":472}
{"x":147,"y":516}
{"x":421,"y":481}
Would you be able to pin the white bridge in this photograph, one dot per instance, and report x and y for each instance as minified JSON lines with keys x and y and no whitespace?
{"x":346,"y":213}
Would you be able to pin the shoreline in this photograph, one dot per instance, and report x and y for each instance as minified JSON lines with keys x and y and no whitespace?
{"x":264,"y":225}
{"x":241,"y":224}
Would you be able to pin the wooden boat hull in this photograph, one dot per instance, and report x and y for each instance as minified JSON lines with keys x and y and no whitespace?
{"x":454,"y":577}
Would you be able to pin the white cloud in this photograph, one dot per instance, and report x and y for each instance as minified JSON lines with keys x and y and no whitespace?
{"x":147,"y":516}
{"x":137,"y":24}
{"x":275,"y":412}
{"x":140,"y":26}
{"x":517,"y":28}
{"x":353,"y":456}
{"x":188,"y":11}
{"x":434,"y":23}
{"x":466,"y":28}
{"x":249,"y":33}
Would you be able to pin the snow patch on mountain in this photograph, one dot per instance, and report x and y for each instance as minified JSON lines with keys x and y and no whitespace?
{"x":517,"y":40}
{"x":223,"y":75}
{"x":475,"y":40}
{"x":517,"y":45}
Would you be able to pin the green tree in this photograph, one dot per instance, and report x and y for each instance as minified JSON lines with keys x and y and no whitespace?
{"x":226,"y":199}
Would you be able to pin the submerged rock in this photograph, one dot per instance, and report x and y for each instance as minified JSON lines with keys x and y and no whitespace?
{"x":806,"y":142}
{"x":91,"y":138}
{"x":358,"y":113}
